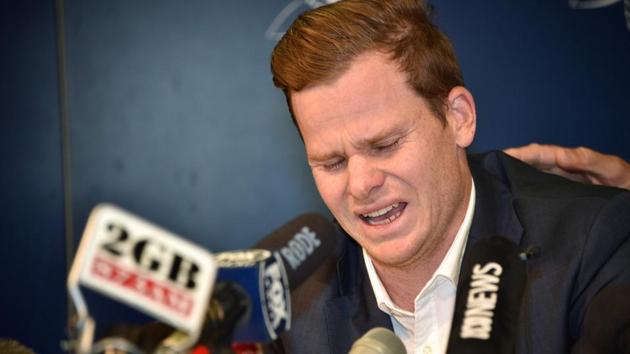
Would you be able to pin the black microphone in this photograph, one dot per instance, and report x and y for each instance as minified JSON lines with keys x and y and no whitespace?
{"x":378,"y":340}
{"x":303,"y":244}
{"x":251,"y":300}
{"x":488,"y":299}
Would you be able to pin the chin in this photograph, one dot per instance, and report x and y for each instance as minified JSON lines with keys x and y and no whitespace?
{"x":392,"y":259}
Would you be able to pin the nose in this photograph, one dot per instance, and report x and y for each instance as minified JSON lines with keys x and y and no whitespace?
{"x":364,"y":177}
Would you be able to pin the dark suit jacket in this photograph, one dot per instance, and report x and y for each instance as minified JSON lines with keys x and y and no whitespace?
{"x":583,"y":232}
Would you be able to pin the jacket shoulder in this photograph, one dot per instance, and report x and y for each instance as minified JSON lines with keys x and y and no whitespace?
{"x":525,"y":181}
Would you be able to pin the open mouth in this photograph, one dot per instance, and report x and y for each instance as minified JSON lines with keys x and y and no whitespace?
{"x":385,"y":215}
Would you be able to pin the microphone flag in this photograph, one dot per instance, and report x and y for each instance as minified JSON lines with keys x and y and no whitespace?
{"x":144,"y":266}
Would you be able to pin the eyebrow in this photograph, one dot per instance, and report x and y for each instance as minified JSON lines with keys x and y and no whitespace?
{"x":381,"y":136}
{"x":362,"y":144}
{"x":317,"y":159}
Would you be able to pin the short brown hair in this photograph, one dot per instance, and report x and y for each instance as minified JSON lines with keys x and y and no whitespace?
{"x":321,"y":44}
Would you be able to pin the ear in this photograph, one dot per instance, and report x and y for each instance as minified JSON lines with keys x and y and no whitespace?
{"x":461,"y":115}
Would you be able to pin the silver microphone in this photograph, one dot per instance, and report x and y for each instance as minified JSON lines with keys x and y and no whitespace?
{"x":378,"y":340}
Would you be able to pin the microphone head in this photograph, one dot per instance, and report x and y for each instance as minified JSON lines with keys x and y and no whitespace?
{"x":265,"y":310}
{"x":303,"y":244}
{"x":378,"y":340}
{"x":489,"y":298}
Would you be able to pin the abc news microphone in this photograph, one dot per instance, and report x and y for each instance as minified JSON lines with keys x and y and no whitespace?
{"x":489,"y":296}
{"x":158,"y":273}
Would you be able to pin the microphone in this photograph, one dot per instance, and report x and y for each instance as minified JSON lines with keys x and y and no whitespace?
{"x":251,"y":302}
{"x":488,"y":299}
{"x":302,"y":244}
{"x":378,"y":340}
{"x":141,"y":265}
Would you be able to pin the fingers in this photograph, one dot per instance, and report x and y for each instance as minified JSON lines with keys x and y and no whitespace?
{"x":580,"y":159}
{"x":541,"y":156}
{"x":581,"y":163}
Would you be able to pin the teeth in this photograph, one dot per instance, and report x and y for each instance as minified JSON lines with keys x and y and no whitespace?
{"x":386,"y":221}
{"x":381,"y":212}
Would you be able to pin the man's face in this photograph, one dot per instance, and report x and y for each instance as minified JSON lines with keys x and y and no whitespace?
{"x":394,"y":177}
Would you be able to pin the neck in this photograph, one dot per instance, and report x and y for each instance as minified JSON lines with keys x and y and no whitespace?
{"x":403,"y":284}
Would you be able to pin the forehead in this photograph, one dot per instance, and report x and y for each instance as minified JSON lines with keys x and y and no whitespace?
{"x":373,"y":86}
{"x":367,"y":106}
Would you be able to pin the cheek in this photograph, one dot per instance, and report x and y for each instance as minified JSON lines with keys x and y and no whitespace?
{"x":421,"y":174}
{"x":330,"y":189}
{"x":412,"y":165}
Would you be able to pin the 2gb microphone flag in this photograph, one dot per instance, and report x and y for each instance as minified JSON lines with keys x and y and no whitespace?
{"x":145,"y":266}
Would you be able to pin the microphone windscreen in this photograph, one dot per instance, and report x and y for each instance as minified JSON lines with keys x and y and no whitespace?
{"x":378,"y":340}
{"x":303,"y":244}
{"x":489,"y":296}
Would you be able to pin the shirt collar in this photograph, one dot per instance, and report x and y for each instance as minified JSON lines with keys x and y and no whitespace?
{"x":448,"y":268}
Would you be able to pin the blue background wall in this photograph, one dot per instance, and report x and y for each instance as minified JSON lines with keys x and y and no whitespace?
{"x":32,"y":258}
{"x":173,"y":116}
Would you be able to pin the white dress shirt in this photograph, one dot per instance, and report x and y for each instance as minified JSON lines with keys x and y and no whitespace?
{"x":426,"y":330}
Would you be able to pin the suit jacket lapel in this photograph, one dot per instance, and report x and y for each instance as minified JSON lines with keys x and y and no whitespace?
{"x":355,"y":311}
{"x":494,"y":209}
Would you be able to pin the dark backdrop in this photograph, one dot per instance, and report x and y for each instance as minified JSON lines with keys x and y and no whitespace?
{"x":173,"y":116}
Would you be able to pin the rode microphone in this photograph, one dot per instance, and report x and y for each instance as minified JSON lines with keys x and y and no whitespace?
{"x":251,"y":302}
{"x":489,"y":297}
{"x":378,"y":340}
{"x":141,"y":265}
{"x":302,"y":244}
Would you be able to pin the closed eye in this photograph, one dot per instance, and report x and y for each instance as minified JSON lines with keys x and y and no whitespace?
{"x":387,"y":147}
{"x":333,"y":165}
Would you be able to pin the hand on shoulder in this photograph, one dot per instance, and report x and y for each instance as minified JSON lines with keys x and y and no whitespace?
{"x":579,"y":164}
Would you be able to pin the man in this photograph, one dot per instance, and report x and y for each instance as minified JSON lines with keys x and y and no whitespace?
{"x":377,"y":96}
